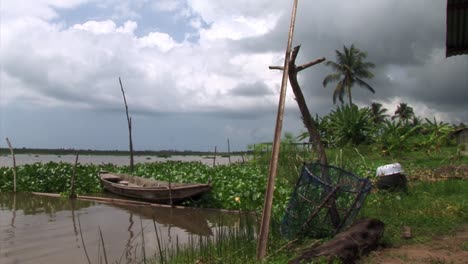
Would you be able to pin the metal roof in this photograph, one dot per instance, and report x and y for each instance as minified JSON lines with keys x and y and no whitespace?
{"x":457,"y":27}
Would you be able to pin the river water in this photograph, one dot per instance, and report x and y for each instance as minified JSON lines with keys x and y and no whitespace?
{"x":6,"y":160}
{"x":37,"y":229}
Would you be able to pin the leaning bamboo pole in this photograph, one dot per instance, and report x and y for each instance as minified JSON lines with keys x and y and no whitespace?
{"x":266,"y":215}
{"x":14,"y":164}
{"x":129,"y":121}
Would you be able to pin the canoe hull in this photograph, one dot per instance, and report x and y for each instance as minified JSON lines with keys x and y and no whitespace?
{"x":154,"y":191}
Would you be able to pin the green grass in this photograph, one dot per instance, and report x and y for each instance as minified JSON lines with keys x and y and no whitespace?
{"x":429,"y":208}
{"x":410,"y":159}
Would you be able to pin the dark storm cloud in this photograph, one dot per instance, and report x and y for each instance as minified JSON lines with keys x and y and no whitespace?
{"x":251,"y":89}
{"x":443,"y":83}
{"x":404,"y":39}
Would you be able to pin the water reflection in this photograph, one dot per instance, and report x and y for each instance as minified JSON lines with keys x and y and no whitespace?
{"x":193,"y":221}
{"x":35,"y":229}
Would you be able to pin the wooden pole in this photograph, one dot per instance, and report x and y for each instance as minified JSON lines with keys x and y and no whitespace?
{"x":72,"y":187}
{"x":170,"y":195}
{"x":13,"y":218}
{"x":229,"y":151}
{"x":266,"y":215}
{"x":14,"y":164}
{"x":129,"y":121}
{"x":214,"y":157}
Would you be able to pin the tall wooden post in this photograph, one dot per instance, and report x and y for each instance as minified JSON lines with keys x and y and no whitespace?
{"x":266,"y":215}
{"x":214,"y":157}
{"x":129,"y":121}
{"x":229,"y":151}
{"x":73,"y":178}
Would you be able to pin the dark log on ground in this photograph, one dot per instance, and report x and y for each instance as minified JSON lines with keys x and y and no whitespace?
{"x":362,"y":237}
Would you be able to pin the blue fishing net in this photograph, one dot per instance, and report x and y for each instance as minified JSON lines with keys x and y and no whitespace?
{"x":325,"y":200}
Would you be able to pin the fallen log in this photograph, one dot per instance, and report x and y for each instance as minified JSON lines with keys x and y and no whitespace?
{"x":362,"y":237}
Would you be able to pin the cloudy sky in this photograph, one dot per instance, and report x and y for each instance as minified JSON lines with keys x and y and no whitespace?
{"x":196,"y":72}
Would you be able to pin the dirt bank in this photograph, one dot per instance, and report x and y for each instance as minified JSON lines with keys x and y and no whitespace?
{"x":442,"y":249}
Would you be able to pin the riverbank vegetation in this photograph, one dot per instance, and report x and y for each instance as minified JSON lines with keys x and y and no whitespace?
{"x":357,"y":139}
{"x":432,"y":206}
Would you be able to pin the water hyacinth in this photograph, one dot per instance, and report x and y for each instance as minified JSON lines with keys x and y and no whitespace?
{"x":237,"y":186}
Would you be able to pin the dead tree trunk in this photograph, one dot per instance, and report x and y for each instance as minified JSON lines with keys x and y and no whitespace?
{"x":309,"y":123}
{"x":129,"y":121}
{"x":362,"y":237}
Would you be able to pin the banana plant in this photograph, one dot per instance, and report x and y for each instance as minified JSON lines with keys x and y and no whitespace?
{"x":437,"y":134}
{"x":396,"y":137}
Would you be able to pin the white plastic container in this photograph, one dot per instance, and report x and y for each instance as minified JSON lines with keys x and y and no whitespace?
{"x":389,"y":169}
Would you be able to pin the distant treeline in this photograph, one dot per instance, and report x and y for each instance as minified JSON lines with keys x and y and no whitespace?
{"x":5,"y":151}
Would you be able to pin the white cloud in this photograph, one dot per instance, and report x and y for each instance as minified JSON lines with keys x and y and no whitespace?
{"x":102,"y":27}
{"x":106,"y":27}
{"x":214,"y":11}
{"x":157,"y":39}
{"x":240,"y":27}
{"x":79,"y":66}
{"x":234,"y":20}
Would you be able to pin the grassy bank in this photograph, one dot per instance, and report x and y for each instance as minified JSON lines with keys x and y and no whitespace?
{"x":429,"y":207}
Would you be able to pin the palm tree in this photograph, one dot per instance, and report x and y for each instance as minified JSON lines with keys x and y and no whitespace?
{"x":350,"y":69}
{"x":403,"y":112}
{"x":378,"y":113}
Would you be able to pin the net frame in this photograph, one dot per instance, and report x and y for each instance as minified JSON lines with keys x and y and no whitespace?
{"x":325,"y":200}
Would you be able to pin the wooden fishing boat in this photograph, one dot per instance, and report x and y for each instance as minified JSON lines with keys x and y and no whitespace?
{"x":151,"y":190}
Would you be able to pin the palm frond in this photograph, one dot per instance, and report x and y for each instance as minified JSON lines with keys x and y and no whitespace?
{"x":335,"y":66}
{"x":364,"y":84}
{"x":331,"y":78}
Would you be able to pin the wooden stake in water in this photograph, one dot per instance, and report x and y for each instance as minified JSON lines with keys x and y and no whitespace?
{"x":229,"y":151}
{"x":214,"y":157}
{"x":14,"y":164}
{"x":266,"y":215}
{"x":72,"y":184}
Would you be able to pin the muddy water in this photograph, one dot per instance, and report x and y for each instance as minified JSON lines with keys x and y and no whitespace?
{"x":21,"y":159}
{"x":36,"y":229}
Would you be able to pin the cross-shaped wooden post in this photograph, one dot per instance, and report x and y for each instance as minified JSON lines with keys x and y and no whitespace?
{"x":314,"y":135}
